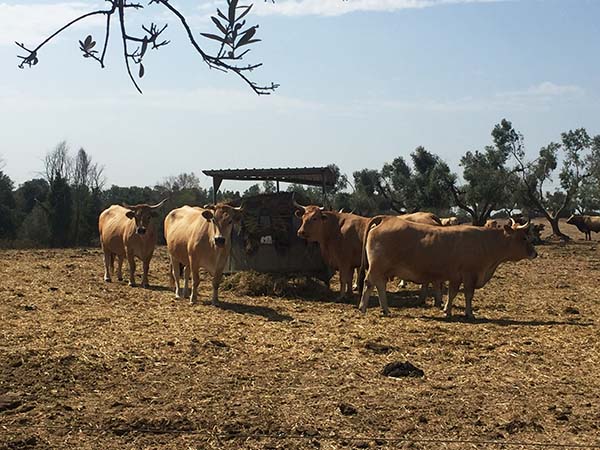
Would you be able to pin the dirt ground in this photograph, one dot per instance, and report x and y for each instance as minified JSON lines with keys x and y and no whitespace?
{"x":92,"y":365}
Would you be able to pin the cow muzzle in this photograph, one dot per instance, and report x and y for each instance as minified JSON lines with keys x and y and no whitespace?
{"x":140,"y":230}
{"x":220,"y":241}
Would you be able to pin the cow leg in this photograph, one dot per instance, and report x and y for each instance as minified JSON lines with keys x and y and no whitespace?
{"x":146,"y":269}
{"x":175,"y":279}
{"x":216,"y":281}
{"x":345,"y":284}
{"x":131,"y":261}
{"x":469,"y":287}
{"x":383,"y":297}
{"x":423,"y":293}
{"x":366,"y":295}
{"x":186,"y":280}
{"x":437,"y":294}
{"x":195,"y":270}
{"x":107,"y":256}
{"x":120,"y":267}
{"x":452,"y":291}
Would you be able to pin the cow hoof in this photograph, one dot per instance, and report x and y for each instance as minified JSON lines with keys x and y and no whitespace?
{"x":131,"y":284}
{"x":119,"y":279}
{"x":386,"y":314}
{"x":107,"y":279}
{"x":469,"y":317}
{"x":145,"y":285}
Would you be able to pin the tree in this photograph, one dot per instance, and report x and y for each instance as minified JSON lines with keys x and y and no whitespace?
{"x":400,"y":188}
{"x":86,"y":185}
{"x":231,"y":40}
{"x":534,"y":174}
{"x":488,"y":182}
{"x":7,"y":205}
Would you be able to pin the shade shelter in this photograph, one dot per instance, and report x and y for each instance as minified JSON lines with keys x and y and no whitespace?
{"x":268,"y":240}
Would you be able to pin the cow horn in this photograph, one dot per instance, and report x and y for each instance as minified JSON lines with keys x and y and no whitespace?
{"x":321,"y":208}
{"x":128,"y":206}
{"x":158,"y":205}
{"x":512,"y":223}
{"x":524,"y":227}
{"x":298,"y":205}
{"x":209,"y":206}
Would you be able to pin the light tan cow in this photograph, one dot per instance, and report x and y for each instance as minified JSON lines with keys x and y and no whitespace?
{"x":462,"y":254}
{"x":449,"y":221}
{"x":200,"y":237}
{"x":425,"y":218}
{"x":128,"y":232}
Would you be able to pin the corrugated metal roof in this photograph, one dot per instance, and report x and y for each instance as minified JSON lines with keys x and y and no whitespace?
{"x":312,"y":176}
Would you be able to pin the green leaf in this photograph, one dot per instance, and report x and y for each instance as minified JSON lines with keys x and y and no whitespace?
{"x":223,"y":16}
{"x":248,"y":8}
{"x":251,"y":41}
{"x":214,"y":37}
{"x":246,"y":36}
{"x":232,"y":6}
{"x":141,"y":73}
{"x":220,"y":26}
{"x":88,"y":40}
{"x":144,"y":48}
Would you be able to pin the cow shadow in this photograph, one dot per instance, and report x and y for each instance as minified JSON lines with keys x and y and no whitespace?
{"x":160,"y":288}
{"x":401,"y":300}
{"x":264,"y":311}
{"x":505,"y":322}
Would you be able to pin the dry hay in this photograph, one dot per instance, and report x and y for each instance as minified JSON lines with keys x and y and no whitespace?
{"x":88,"y":365}
{"x":277,"y":285}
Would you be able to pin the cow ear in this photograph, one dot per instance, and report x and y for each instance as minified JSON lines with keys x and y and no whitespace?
{"x":299,"y":213}
{"x":130,"y":214}
{"x":207,"y":214}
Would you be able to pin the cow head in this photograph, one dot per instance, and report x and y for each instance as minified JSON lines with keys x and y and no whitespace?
{"x":574,"y":219}
{"x":223,"y":218}
{"x":520,"y":246}
{"x":142,"y":214}
{"x":314,"y":219}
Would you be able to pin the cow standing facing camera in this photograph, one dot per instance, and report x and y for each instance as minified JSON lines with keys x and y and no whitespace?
{"x":128,"y":232}
{"x":200,"y":237}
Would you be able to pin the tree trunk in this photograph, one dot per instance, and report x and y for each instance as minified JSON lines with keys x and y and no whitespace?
{"x":555,"y":228}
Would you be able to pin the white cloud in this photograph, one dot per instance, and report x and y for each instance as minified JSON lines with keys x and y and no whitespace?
{"x":335,"y":7}
{"x":339,"y":7}
{"x":29,"y":23}
{"x":540,"y":96}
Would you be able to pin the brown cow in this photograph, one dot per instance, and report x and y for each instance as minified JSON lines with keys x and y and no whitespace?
{"x":127,"y":232}
{"x":462,"y":254}
{"x":585,"y":224}
{"x":200,"y":237}
{"x":340,"y":239}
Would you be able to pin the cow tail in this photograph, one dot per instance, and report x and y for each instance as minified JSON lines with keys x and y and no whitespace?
{"x":364,"y":263}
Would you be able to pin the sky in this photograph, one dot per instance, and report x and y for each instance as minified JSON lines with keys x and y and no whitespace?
{"x":362,"y":82}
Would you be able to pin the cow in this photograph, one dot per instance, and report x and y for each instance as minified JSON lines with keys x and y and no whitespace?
{"x":340,"y":239}
{"x":200,"y":237}
{"x":463,"y":254}
{"x":425,"y":218}
{"x":585,"y":224}
{"x":128,"y":232}
{"x":490,"y":223}
{"x":449,"y":221}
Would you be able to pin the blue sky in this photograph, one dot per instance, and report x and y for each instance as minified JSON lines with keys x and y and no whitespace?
{"x":362,"y":82}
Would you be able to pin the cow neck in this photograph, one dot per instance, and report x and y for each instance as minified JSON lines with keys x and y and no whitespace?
{"x":500,"y":246}
{"x":332,"y":238}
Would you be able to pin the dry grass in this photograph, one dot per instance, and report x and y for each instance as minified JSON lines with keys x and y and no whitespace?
{"x":88,"y":365}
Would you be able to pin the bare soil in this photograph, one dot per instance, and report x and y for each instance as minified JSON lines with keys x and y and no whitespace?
{"x":92,"y":365}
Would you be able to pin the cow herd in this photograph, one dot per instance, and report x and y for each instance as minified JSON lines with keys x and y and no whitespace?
{"x":418,"y":247}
